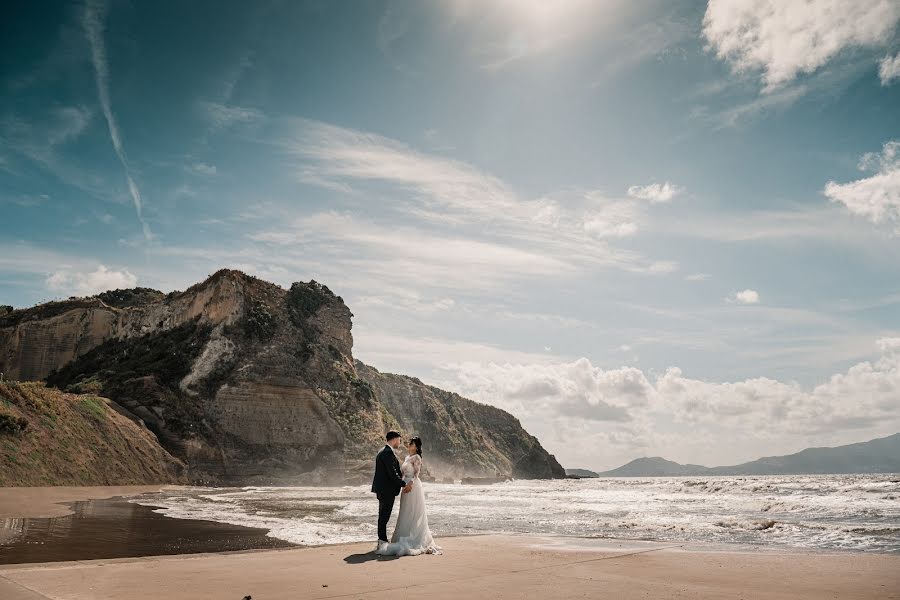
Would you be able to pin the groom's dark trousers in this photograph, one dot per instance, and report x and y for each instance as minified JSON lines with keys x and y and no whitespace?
{"x":385,"y":506}
{"x":386,"y":484}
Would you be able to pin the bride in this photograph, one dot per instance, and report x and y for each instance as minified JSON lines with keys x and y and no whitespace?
{"x":411,"y":534}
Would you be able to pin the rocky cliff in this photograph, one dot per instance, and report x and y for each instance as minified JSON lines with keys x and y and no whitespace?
{"x":462,"y":438}
{"x":250,"y":383}
{"x":48,"y":437}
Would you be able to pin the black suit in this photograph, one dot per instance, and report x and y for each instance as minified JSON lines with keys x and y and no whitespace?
{"x":386,"y":484}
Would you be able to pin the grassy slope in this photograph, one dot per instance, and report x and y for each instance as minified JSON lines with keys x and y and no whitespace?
{"x":71,"y":439}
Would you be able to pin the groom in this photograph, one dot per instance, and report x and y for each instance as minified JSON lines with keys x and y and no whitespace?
{"x":387,"y":483}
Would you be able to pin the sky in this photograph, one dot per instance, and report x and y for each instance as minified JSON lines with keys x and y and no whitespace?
{"x":644,"y":228}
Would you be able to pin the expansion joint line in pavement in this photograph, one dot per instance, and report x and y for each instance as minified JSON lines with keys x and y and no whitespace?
{"x":498,"y":573}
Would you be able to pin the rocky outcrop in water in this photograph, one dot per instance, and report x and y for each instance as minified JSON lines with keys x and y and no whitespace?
{"x":247,"y":382}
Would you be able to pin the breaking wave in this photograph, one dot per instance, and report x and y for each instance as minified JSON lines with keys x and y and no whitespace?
{"x":828,"y":512}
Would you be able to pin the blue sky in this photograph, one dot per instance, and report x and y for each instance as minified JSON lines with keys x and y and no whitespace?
{"x":655,"y":228}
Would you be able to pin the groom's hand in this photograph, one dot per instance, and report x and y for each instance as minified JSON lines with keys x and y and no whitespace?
{"x":407,"y":488}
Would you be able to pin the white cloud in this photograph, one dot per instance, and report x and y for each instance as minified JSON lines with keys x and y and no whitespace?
{"x":405,"y":301}
{"x":613,"y":221}
{"x":576,"y":389}
{"x":409,"y":256}
{"x":888,"y":345}
{"x":202,"y":168}
{"x":786,"y":38}
{"x":655,"y":192}
{"x":889,"y":69}
{"x":340,"y":154}
{"x":572,"y":230}
{"x":25,"y":200}
{"x":71,"y":121}
{"x":223,"y":116}
{"x":68,"y":281}
{"x":39,"y":139}
{"x":619,"y":414}
{"x":94,"y":14}
{"x":746,"y":297}
{"x":421,"y":353}
{"x":775,"y":101}
{"x":697,"y":277}
{"x":184,"y":191}
{"x":557,"y":321}
{"x":877,"y":198}
{"x":798,"y":224}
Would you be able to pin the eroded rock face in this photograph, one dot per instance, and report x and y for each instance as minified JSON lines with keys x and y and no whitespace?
{"x":35,"y":342}
{"x":462,"y":438}
{"x":32,"y":349}
{"x":250,"y":383}
{"x":290,"y":418}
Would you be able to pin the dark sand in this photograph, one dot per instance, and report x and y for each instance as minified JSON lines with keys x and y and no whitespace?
{"x":116,"y":528}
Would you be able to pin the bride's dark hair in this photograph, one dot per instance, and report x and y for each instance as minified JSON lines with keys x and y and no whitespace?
{"x":418,"y":442}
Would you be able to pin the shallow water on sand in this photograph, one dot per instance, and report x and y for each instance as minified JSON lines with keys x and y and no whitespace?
{"x":114,"y":528}
{"x":822,"y":512}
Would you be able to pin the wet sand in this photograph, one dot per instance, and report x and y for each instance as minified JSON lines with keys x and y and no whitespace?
{"x":501,"y":567}
{"x":116,"y":528}
{"x":19,"y":502}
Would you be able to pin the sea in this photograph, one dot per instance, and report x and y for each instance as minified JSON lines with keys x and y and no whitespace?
{"x":858,"y":513}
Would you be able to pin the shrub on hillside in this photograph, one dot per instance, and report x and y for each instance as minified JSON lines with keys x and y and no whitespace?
{"x":11,"y":423}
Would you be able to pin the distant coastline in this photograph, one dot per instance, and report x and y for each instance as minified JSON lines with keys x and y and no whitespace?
{"x":878,"y":456}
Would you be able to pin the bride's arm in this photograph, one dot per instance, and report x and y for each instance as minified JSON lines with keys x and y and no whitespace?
{"x":416,"y":465}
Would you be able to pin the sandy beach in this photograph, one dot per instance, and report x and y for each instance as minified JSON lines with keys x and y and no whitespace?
{"x":484,"y":566}
{"x":475,"y":567}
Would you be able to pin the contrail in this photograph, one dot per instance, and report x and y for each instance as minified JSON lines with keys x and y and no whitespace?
{"x":94,"y":13}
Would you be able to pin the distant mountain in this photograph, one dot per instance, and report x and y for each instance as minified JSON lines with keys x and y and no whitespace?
{"x":655,"y":467}
{"x":881,"y":455}
{"x":580,"y":473}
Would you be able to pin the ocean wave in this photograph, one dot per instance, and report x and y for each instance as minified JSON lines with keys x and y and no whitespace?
{"x":852,"y":512}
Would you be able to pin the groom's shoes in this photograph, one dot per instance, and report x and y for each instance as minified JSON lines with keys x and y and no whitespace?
{"x":380,"y":546}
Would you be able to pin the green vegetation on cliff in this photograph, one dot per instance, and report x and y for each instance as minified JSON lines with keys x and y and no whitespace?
{"x":139,"y":296}
{"x":133,"y":368}
{"x":48,"y":437}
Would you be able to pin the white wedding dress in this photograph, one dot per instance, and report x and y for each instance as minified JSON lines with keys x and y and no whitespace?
{"x":411,"y":534}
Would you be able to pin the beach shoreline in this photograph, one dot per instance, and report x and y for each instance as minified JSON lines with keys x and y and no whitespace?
{"x":495,"y":566}
{"x":281,"y":513}
{"x":477,"y":565}
{"x":51,"y":501}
